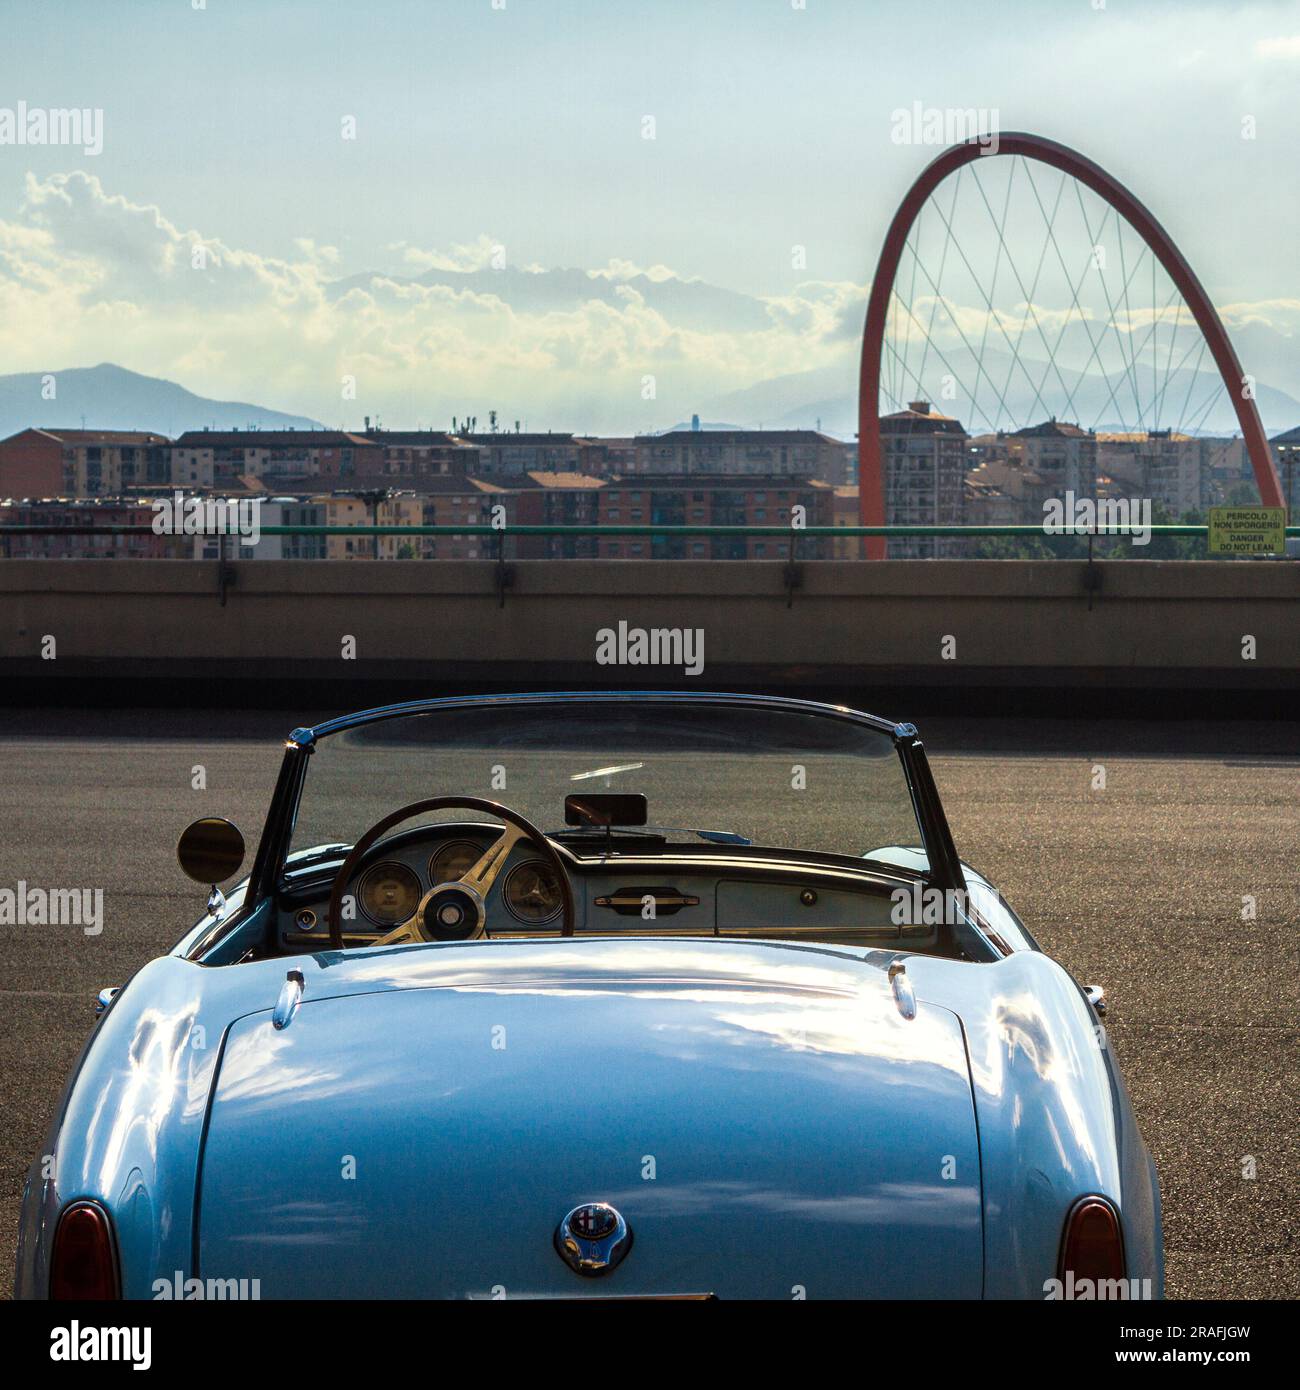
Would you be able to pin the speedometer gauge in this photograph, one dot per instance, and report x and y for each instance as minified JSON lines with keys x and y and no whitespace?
{"x":453,"y":860}
{"x":389,"y":893}
{"x":532,"y":892}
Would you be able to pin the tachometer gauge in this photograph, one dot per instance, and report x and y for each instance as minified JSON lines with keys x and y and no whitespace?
{"x":532,"y":892}
{"x":452,"y":860}
{"x":389,"y":893}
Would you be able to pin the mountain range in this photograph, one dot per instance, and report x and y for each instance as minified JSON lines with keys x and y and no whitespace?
{"x":827,"y":399}
{"x":112,"y":398}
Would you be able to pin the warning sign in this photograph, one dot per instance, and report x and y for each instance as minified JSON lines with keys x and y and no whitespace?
{"x":1247,"y":530}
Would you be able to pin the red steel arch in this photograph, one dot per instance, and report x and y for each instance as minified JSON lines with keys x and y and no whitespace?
{"x":871,"y":493}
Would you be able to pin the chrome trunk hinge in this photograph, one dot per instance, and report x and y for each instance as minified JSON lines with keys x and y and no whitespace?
{"x":290,"y":997}
{"x":904,"y":995}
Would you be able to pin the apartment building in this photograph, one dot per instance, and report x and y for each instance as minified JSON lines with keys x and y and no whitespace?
{"x":456,"y":501}
{"x":221,"y":458}
{"x":925,"y":457}
{"x":846,"y":511}
{"x":988,"y":504}
{"x":81,"y":463}
{"x":103,"y":512}
{"x":1063,"y":455}
{"x":675,"y":500}
{"x":738,"y":453}
{"x":1179,"y":472}
{"x":31,"y":464}
{"x":608,"y":457}
{"x":1286,"y":457}
{"x":556,"y":499}
{"x":413,"y":454}
{"x":271,"y":511}
{"x":505,"y":456}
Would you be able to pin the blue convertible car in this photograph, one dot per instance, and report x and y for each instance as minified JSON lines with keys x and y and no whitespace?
{"x":596,"y":995}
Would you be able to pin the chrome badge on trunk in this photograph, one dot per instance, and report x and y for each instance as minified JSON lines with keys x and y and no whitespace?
{"x":593,"y":1238}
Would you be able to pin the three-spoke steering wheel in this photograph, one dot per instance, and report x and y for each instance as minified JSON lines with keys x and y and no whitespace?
{"x":456,"y":910}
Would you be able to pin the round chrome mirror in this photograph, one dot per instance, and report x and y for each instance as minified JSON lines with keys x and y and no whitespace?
{"x":211,"y":849}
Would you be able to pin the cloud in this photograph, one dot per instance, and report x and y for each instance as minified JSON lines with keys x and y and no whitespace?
{"x":1282,"y":315}
{"x":1285,"y":47}
{"x":629,"y":270}
{"x":475,"y":255}
{"x":87,"y":275}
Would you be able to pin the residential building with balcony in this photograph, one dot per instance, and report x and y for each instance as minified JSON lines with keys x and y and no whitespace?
{"x":99,"y":512}
{"x":925,"y":457}
{"x":82,"y":463}
{"x":1063,"y":455}
{"x":556,"y":499}
{"x":1182,"y":473}
{"x":692,"y":500}
{"x":413,"y":454}
{"x":455,"y":501}
{"x":220,"y":458}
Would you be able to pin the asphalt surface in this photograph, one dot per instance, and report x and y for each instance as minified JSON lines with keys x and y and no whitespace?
{"x":1138,"y":886}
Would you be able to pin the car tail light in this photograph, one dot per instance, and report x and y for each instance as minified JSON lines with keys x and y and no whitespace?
{"x":83,"y":1264}
{"x":1093,"y":1244}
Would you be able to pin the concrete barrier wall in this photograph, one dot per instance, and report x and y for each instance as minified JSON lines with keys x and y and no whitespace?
{"x":1141,"y":623}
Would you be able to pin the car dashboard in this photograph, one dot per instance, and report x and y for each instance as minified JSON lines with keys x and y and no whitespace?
{"x":636,"y":884}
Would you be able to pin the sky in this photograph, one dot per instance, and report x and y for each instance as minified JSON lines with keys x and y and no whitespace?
{"x":306,"y":144}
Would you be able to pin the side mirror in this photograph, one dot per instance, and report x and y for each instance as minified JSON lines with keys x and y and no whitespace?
{"x":210,"y":850}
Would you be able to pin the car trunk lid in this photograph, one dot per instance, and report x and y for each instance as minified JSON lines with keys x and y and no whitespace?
{"x":765,"y":1118}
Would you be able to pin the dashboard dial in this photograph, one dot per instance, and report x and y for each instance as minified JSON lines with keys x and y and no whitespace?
{"x":532,"y":892}
{"x":452,"y":860}
{"x":389,"y":893}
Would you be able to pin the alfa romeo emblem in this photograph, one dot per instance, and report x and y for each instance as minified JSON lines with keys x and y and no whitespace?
{"x":593,"y":1238}
{"x":593,"y":1222}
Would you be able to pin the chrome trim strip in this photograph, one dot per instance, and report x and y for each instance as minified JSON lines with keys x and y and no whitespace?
{"x":306,"y":737}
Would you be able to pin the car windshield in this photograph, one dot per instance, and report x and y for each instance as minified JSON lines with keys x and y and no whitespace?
{"x":729,"y":774}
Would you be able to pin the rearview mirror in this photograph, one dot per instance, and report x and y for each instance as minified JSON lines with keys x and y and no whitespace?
{"x":605,"y":808}
{"x":210,"y":850}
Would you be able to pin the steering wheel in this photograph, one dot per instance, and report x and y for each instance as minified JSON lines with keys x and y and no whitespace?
{"x":453,"y":911}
